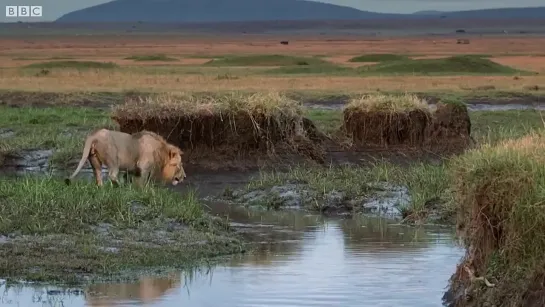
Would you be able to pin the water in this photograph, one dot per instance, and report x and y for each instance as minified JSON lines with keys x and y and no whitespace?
{"x":303,"y":260}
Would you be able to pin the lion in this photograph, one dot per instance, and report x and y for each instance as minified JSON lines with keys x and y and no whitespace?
{"x":143,"y":154}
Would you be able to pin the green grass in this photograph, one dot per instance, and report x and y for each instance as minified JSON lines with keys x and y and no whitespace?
{"x":494,"y":126}
{"x":151,"y":57}
{"x":50,"y":58}
{"x":72,"y":65}
{"x":378,"y":57}
{"x":70,"y":234}
{"x":265,"y":60}
{"x":444,"y":66}
{"x":328,"y":69}
{"x":62,"y":129}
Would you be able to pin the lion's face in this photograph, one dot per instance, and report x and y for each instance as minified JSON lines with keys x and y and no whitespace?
{"x":174,"y":169}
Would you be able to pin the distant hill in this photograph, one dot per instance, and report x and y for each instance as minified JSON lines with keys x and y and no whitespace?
{"x":428,"y":13}
{"x":514,"y":13}
{"x":176,"y":11}
{"x":215,"y":11}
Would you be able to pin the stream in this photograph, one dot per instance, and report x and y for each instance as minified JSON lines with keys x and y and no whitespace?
{"x":301,"y":260}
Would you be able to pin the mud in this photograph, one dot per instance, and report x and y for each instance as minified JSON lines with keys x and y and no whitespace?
{"x":386,"y":201}
{"x":27,"y":160}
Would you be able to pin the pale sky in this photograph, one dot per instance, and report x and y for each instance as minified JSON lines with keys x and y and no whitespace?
{"x":53,"y":9}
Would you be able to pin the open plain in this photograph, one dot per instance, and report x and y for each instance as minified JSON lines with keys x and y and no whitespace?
{"x":356,"y":127}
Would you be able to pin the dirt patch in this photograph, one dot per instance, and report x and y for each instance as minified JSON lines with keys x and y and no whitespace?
{"x":222,"y":130}
{"x":449,"y":129}
{"x":386,"y":128}
{"x":446,"y":129}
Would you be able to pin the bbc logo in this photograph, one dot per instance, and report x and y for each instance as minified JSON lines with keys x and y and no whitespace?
{"x":23,"y":11}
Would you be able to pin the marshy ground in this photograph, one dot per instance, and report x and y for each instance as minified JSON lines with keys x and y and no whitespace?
{"x":323,"y":167}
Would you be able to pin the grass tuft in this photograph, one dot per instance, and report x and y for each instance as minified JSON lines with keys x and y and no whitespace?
{"x":499,"y":191}
{"x":165,"y":105}
{"x":388,"y":103}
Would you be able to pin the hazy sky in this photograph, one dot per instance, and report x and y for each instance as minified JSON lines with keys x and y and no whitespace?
{"x":52,"y":9}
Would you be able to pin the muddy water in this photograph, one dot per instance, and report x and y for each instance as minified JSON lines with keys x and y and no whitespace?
{"x":301,"y":260}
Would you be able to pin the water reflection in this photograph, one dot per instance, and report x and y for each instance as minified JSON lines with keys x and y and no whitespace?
{"x":341,"y":262}
{"x":147,"y":290}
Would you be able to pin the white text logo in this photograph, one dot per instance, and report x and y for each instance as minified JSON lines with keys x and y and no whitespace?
{"x":23,"y":11}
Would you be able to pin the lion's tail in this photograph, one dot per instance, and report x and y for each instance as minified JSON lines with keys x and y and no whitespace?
{"x":86,"y":150}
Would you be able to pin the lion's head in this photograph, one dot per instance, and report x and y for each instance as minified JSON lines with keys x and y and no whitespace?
{"x":173,"y":169}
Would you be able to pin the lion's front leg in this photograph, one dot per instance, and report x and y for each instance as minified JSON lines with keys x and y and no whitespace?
{"x":143,"y":173}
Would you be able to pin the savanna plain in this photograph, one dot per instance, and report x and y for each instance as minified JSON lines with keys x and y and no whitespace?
{"x":419,"y":131}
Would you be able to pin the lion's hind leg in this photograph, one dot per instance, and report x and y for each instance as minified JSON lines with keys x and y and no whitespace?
{"x":96,"y":165}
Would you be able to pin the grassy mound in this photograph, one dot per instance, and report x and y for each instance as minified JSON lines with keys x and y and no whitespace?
{"x":450,"y":65}
{"x":73,"y":64}
{"x":54,"y":233}
{"x":328,"y":69}
{"x":232,"y":123}
{"x":378,"y":57}
{"x":499,"y":191}
{"x":384,"y":120}
{"x":151,"y":57}
{"x":405,"y":120}
{"x":265,"y":60}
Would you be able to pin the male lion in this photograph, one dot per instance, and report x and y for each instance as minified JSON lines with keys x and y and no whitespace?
{"x":144,"y":154}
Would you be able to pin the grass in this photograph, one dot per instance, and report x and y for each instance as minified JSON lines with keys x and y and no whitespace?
{"x":388,"y":103}
{"x":444,"y":66}
{"x":151,"y":57}
{"x":499,"y":192}
{"x":378,"y":57}
{"x":72,"y":65}
{"x":80,"y":233}
{"x":320,"y":69}
{"x":165,"y":105}
{"x":266,"y":60}
{"x":60,"y":128}
{"x":37,"y":58}
{"x":204,"y":78}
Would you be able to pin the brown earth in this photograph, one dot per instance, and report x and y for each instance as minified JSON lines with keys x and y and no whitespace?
{"x":446,"y":130}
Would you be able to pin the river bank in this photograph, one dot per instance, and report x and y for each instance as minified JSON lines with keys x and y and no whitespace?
{"x":79,"y":234}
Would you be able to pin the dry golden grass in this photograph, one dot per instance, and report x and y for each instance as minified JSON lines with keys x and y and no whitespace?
{"x":164,"y":105}
{"x":388,"y":103}
{"x":115,"y":80}
{"x":116,"y":46}
{"x":529,"y":63}
{"x":188,"y":50}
